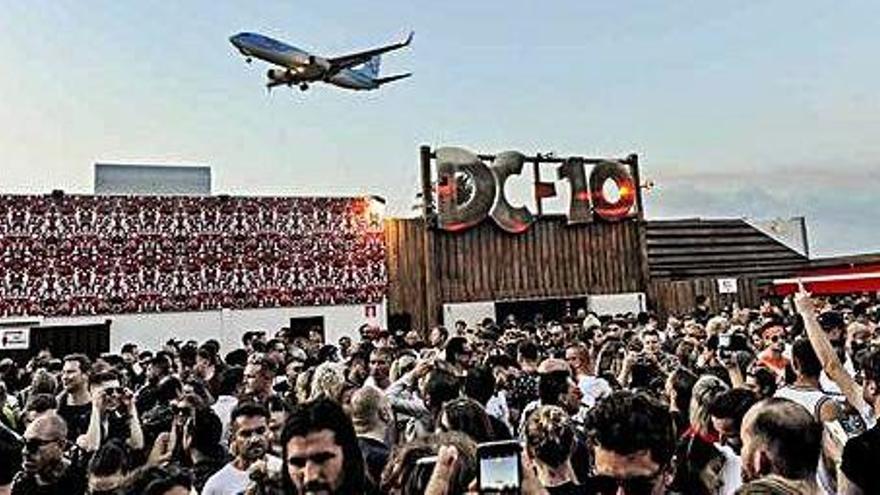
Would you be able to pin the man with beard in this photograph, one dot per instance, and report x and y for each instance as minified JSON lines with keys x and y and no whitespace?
{"x":781,"y":444}
{"x":46,"y":469}
{"x":75,"y":403}
{"x":249,"y":443}
{"x":321,"y":452}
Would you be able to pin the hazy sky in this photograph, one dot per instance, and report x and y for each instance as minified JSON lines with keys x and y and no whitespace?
{"x":761,"y":109}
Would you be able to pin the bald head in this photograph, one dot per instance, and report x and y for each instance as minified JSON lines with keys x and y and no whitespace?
{"x":49,"y":426}
{"x":368,"y":405}
{"x":780,"y":437}
{"x":553,"y":365}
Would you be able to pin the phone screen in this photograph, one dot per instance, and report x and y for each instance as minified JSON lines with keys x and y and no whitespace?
{"x":500,"y":474}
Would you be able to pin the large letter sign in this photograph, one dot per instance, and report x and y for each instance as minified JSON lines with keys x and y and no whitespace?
{"x":513,"y":220}
{"x":588,"y":196}
{"x":454,"y":216}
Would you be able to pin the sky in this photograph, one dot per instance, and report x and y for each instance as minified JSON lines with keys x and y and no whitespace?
{"x":736,"y":109}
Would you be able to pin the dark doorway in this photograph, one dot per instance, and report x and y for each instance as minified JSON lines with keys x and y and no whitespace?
{"x":548,"y":309}
{"x":91,"y":340}
{"x":300,"y":327}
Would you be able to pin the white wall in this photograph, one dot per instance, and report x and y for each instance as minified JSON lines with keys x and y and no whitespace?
{"x":151,"y":330}
{"x":471,"y":313}
{"x":612,"y":304}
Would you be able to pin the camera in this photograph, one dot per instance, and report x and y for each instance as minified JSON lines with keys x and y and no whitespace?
{"x":728,"y":343}
{"x":500,"y":469}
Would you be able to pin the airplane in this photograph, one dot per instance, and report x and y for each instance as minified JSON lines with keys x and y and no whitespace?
{"x":300,"y":68}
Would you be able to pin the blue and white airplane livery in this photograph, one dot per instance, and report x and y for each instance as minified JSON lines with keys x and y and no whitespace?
{"x":301,"y":68}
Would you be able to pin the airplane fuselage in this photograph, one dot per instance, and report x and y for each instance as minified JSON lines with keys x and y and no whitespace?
{"x":301,"y":67}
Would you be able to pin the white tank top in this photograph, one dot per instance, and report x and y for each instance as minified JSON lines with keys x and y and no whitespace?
{"x":809,"y":398}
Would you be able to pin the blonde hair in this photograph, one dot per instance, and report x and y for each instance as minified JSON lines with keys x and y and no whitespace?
{"x":328,"y":381}
{"x":704,"y":391}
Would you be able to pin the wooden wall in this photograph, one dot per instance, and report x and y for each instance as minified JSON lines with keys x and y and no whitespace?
{"x":686,"y":257}
{"x":676,"y":297}
{"x":695,"y":248}
{"x":484,"y":263}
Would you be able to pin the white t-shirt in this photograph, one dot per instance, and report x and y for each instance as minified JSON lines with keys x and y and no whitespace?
{"x":227,"y":481}
{"x":223,"y":409}
{"x":731,"y":474}
{"x":593,"y":388}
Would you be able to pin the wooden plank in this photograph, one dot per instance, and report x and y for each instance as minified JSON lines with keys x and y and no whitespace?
{"x":485,"y":287}
{"x":696,"y":223}
{"x":656,"y":242}
{"x":706,"y":258}
{"x":657,"y":252}
{"x":701,"y":232}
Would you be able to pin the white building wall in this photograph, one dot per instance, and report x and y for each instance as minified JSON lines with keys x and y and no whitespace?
{"x":151,"y":330}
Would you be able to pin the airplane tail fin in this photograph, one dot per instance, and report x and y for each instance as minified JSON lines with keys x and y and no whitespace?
{"x":383,"y":80}
{"x":371,"y":67}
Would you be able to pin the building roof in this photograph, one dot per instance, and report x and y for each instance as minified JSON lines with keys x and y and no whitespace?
{"x":688,"y":248}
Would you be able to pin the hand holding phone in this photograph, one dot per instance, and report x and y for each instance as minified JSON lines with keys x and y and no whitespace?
{"x":500,"y":467}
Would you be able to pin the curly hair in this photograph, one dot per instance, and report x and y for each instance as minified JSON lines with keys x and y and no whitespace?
{"x":328,"y":381}
{"x":549,"y":435}
{"x":627,"y":422}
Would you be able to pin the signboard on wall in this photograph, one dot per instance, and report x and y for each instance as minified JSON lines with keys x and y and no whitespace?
{"x":15,"y":338}
{"x":727,"y":286}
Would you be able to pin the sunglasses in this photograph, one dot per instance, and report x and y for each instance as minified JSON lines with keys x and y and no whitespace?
{"x":33,"y":445}
{"x":181,"y":411}
{"x":113,"y":391}
{"x":609,"y":485}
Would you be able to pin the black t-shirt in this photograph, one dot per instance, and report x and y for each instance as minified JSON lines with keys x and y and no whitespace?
{"x":72,"y":482}
{"x":76,"y":417}
{"x":375,"y":455}
{"x":10,"y":454}
{"x":861,"y":458}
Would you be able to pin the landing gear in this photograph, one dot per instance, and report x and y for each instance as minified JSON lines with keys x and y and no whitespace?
{"x":303,"y":86}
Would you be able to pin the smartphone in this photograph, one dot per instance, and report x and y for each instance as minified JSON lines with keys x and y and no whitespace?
{"x":500,"y":468}
{"x":422,"y":473}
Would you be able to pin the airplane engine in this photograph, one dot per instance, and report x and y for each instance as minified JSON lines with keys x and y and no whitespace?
{"x":321,"y":62}
{"x":279,"y":75}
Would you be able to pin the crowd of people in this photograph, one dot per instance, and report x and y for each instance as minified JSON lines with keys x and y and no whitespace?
{"x":86,"y":255}
{"x":780,"y":399}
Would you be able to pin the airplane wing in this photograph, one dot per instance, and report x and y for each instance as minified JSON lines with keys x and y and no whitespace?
{"x":344,"y":62}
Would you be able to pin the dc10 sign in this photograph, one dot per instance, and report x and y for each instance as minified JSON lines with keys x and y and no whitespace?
{"x":588,"y":197}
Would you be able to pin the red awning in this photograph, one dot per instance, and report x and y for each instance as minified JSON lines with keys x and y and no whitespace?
{"x":844,"y":281}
